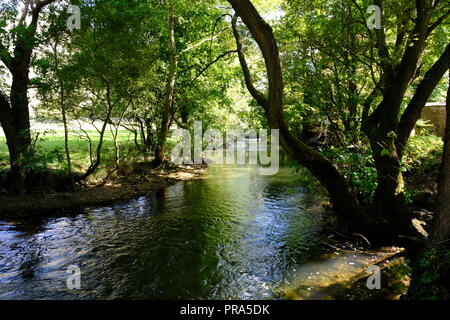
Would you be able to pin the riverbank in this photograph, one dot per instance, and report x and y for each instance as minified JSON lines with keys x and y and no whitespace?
{"x":112,"y":190}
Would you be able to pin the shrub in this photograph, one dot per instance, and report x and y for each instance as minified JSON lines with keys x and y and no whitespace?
{"x":423,"y":154}
{"x":358,"y":167}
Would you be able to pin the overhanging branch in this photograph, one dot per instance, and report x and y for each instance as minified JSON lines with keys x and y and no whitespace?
{"x":213,"y":62}
{"x":258,"y":96}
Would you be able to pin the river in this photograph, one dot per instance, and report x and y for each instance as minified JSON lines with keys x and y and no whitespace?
{"x":232,"y":234}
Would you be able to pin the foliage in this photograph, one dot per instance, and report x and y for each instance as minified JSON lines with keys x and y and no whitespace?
{"x":431,"y":274}
{"x":40,"y":160}
{"x":422,"y":157}
{"x":113,"y":71}
{"x":358,"y":167}
{"x":423,"y":154}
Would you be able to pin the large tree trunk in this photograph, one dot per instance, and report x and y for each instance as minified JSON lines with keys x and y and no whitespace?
{"x":388,"y":140}
{"x":387,"y":135}
{"x":15,"y":121}
{"x":14,"y":114}
{"x":170,"y":86}
{"x":441,"y":227}
{"x":389,"y":200}
{"x":434,"y":259}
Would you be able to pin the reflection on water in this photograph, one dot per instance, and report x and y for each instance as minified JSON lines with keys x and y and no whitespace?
{"x":232,"y":234}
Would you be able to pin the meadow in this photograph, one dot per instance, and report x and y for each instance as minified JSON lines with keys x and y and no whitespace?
{"x":78,"y":146}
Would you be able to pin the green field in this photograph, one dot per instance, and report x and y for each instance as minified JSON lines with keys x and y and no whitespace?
{"x":79,"y":146}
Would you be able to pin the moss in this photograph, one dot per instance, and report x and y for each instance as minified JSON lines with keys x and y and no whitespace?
{"x":395,"y":277}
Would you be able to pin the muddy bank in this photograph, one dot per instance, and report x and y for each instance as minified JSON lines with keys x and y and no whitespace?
{"x":108,"y":192}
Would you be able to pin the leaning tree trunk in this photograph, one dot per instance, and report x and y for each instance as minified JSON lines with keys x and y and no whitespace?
{"x":170,"y":86}
{"x":342,"y":197}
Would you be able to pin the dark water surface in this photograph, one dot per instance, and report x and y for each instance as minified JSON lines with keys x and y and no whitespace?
{"x":231,"y":235}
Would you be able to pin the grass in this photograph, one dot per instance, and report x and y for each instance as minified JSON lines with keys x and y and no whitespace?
{"x":79,"y":146}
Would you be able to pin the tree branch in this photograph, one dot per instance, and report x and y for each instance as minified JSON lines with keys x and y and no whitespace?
{"x":25,"y":12}
{"x":5,"y":57}
{"x":438,"y":22}
{"x":36,"y":10}
{"x":195,"y":45}
{"x":383,"y":50}
{"x":212,"y":62}
{"x":257,"y":95}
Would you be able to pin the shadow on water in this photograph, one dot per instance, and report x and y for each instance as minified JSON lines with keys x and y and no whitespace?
{"x":231,"y":234}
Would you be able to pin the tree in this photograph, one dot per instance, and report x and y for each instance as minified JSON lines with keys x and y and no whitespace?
{"x":431,"y":272}
{"x":187,"y":39}
{"x":343,"y":199}
{"x":170,"y":86}
{"x":56,"y":85}
{"x":388,"y":129}
{"x":389,"y":214}
{"x":14,"y":112}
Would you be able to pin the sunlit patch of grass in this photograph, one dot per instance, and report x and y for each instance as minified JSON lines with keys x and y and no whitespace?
{"x":78,"y":145}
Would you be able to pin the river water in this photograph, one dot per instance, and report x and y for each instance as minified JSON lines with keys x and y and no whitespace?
{"x":232,"y":234}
